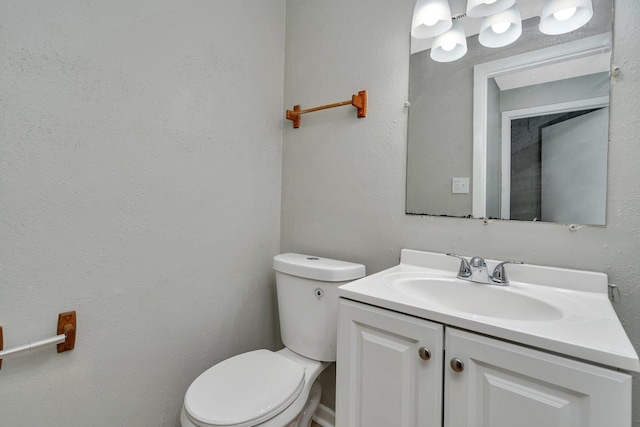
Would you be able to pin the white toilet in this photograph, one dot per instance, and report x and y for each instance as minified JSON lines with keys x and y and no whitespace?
{"x":278,"y":389}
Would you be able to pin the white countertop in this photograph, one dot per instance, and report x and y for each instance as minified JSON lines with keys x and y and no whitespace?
{"x":588,"y":328}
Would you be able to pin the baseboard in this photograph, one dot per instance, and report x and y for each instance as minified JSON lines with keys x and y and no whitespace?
{"x":324,"y":416}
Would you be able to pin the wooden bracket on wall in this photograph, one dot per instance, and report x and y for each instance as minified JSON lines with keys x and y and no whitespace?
{"x":67,"y":326}
{"x":66,"y":338}
{"x":359,"y":101}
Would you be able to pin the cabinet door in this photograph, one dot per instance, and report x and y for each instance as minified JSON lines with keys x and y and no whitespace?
{"x":383,"y":379}
{"x":506,"y":385}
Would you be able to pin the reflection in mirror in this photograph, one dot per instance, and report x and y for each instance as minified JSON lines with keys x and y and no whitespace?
{"x":506,"y":179}
{"x":558,"y":168}
{"x":540,"y":153}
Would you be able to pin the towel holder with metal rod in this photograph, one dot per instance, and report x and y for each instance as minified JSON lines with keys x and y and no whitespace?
{"x":359,"y":101}
{"x":66,"y":338}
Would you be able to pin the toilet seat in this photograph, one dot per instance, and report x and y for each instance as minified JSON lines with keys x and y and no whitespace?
{"x":244,"y":390}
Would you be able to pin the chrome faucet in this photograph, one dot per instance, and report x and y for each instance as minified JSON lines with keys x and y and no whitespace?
{"x":476,"y":271}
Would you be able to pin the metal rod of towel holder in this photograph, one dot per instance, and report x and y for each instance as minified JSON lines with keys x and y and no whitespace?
{"x":65,"y":339}
{"x":58,"y":339}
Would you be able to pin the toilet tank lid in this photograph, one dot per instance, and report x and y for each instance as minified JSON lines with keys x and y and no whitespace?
{"x":317,"y":268}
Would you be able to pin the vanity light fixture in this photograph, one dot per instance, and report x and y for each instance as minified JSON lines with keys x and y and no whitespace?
{"x":430,"y":18}
{"x":564,"y":16}
{"x":480,"y":8}
{"x":501,"y":29}
{"x":501,"y":24}
{"x":451,"y":45}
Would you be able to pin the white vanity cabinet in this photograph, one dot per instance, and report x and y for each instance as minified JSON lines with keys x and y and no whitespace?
{"x":385,"y":377}
{"x":469,"y":380}
{"x":508,"y":385}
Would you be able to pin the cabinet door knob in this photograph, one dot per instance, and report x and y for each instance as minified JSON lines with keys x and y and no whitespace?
{"x":457,"y":365}
{"x":424,"y":353}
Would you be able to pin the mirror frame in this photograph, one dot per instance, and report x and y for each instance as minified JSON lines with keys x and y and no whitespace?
{"x":585,"y":47}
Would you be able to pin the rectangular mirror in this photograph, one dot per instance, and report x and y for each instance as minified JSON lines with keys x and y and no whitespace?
{"x":525,"y":125}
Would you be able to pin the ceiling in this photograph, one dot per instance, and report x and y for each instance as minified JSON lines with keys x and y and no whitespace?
{"x":566,"y":69}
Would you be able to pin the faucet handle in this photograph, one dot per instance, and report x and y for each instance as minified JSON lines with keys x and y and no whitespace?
{"x":477,"y":261}
{"x":465,"y":268}
{"x":499,"y":275}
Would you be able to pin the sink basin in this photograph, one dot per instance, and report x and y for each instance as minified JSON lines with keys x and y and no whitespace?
{"x":477,"y":299}
{"x":560,"y":310}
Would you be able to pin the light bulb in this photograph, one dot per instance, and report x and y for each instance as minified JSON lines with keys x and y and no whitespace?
{"x":451,"y":45}
{"x":564,"y":14}
{"x":430,"y":19}
{"x":448,"y":45}
{"x":501,"y":27}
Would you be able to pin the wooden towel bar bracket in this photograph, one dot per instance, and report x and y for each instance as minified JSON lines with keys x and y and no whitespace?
{"x":359,"y":101}
{"x":66,"y":338}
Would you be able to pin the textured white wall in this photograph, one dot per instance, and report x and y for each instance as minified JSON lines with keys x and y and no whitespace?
{"x":344,"y":178}
{"x":140,"y":172}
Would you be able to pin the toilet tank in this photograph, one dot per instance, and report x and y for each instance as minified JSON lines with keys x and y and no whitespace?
{"x":307,"y":288}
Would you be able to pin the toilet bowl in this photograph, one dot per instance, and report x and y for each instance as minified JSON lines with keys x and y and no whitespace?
{"x":278,"y":389}
{"x":259,"y":388}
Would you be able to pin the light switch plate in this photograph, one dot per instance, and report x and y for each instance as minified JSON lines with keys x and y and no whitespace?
{"x":460,"y":186}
